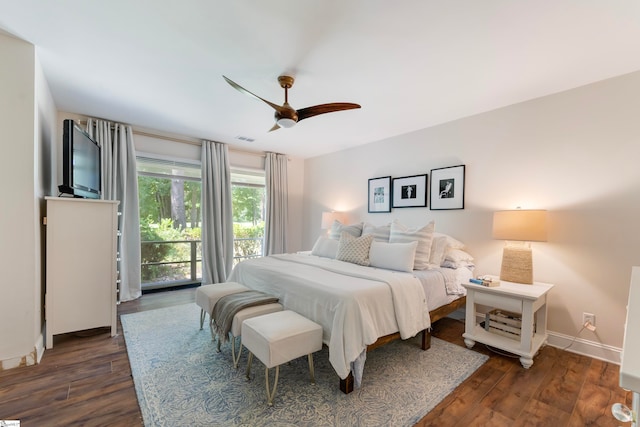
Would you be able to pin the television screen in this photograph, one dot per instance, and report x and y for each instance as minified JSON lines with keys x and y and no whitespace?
{"x":80,"y":163}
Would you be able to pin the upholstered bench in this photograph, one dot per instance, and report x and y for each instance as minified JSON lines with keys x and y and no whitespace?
{"x":278,"y":338}
{"x":208,"y":295}
{"x":239,"y":318}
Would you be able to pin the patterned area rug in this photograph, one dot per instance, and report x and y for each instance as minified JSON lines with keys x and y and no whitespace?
{"x":180,"y":379}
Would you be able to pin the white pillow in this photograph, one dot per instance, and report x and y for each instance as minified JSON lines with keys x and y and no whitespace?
{"x":392,"y":256}
{"x":325,"y":247}
{"x":354,"y":249}
{"x":422,"y":235}
{"x":451,"y":242}
{"x":337,"y":228}
{"x":381,"y":233}
{"x":458,"y":264}
{"x":438,"y":250}
{"x":457,"y":255}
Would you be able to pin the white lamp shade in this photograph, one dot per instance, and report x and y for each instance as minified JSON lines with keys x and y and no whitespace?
{"x":520,"y":224}
{"x":329,"y":217}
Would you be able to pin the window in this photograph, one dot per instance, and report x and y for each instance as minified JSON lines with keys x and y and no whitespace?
{"x":170,"y":222}
{"x":248,"y":196}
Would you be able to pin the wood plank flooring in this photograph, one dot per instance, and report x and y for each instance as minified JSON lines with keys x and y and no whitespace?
{"x":85,"y":380}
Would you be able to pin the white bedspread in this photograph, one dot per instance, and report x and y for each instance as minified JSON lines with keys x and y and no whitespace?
{"x":355,"y":305}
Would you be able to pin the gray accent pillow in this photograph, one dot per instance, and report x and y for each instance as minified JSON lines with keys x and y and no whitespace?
{"x":337,"y":228}
{"x":380,"y":233}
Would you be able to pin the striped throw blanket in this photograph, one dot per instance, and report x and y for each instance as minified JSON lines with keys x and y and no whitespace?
{"x":227,"y":307}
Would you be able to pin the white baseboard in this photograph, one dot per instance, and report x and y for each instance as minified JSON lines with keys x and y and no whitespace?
{"x":33,"y":358}
{"x":15,"y":362}
{"x":584,"y":347}
{"x":581,"y":346}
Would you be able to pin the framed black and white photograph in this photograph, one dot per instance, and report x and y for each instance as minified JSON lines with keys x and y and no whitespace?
{"x":447,"y":188}
{"x":410,"y":191}
{"x":380,"y":194}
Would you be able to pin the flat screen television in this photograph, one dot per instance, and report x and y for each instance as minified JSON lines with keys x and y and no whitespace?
{"x":81,"y":170}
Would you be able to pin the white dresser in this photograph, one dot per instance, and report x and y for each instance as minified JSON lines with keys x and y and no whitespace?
{"x":81,"y":265}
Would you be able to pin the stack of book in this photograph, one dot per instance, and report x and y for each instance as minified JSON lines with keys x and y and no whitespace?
{"x":485,"y":281}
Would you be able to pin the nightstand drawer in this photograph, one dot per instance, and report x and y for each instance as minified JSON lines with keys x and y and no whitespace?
{"x":498,"y":301}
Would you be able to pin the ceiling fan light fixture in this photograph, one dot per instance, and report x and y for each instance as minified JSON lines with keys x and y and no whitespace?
{"x":286,"y":116}
{"x":285,"y":122}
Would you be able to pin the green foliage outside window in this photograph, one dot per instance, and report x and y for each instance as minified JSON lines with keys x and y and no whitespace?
{"x":152,"y":235}
{"x":162,"y":198}
{"x":170,"y":211}
{"x":247,"y":204}
{"x":247,"y":240}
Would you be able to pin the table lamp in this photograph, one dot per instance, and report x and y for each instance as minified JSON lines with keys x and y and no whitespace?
{"x":518,"y":228}
{"x":329,"y":217}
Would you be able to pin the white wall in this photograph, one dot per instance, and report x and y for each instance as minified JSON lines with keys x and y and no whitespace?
{"x":574,"y":153}
{"x":44,"y":157}
{"x":25,"y":110}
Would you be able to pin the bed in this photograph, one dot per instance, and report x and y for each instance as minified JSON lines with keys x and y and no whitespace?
{"x":359,"y":307}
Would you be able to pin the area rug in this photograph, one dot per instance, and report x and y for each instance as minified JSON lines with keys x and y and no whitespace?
{"x":180,"y":379}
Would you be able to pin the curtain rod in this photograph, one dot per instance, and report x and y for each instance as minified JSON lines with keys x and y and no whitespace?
{"x":180,"y":140}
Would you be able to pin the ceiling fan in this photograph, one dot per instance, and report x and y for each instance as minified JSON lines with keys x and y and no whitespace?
{"x":285,"y":115}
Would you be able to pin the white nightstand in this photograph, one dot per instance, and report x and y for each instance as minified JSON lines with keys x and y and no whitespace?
{"x":528,"y":300}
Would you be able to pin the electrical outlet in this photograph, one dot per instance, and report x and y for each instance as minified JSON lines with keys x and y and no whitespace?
{"x":589,"y":318}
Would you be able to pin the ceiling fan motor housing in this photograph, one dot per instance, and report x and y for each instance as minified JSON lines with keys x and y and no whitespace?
{"x":286,"y":116}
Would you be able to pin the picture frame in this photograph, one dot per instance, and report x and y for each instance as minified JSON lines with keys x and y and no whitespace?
{"x":410,"y":191}
{"x":447,"y":188}
{"x":380,"y":194}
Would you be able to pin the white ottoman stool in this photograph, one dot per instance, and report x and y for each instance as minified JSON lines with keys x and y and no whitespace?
{"x":239,"y":318}
{"x":208,"y":295}
{"x":277,"y":338}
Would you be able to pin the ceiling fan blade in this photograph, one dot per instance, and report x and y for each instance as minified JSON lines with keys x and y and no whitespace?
{"x":246,"y":92}
{"x":305,"y":113}
{"x":275,"y":127}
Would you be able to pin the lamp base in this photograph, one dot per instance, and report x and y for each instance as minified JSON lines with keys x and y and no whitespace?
{"x":517,"y":264}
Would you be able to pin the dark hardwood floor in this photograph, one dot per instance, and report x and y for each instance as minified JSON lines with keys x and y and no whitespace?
{"x":85,"y":380}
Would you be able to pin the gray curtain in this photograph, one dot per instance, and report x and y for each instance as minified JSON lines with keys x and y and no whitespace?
{"x":275,"y":229}
{"x":120,"y":182}
{"x":217,"y":214}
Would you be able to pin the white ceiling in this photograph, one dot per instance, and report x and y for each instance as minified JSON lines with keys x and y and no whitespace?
{"x":411,"y":64}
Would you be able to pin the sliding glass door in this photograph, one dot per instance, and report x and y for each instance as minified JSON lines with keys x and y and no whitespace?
{"x":170,"y":220}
